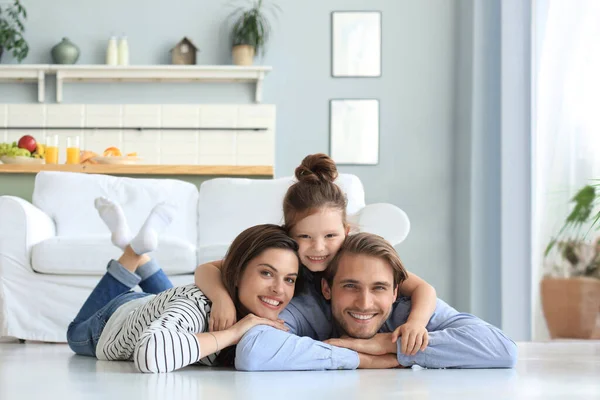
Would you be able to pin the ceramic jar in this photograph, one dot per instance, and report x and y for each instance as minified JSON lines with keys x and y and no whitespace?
{"x":65,"y":52}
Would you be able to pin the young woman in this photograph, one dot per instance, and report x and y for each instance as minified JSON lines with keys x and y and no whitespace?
{"x":165,"y":328}
{"x":314,"y":211}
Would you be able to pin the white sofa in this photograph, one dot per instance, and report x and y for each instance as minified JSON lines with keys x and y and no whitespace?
{"x":52,"y":252}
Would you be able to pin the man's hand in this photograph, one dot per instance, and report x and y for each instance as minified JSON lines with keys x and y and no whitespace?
{"x":368,"y":361}
{"x":379,"y":344}
{"x":414,"y":337}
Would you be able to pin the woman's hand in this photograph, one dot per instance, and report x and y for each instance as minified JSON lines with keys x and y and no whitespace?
{"x":250,"y":321}
{"x":413,"y":336}
{"x":222,"y":315}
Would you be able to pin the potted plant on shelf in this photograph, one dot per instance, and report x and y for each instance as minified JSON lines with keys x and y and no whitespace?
{"x":251,"y":31}
{"x":570,"y":288}
{"x":12,"y":29}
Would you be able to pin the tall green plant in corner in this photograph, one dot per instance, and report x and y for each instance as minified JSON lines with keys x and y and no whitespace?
{"x":12,"y":29}
{"x":251,"y":30}
{"x":585,"y":200}
{"x":575,"y":254}
{"x":570,"y":288}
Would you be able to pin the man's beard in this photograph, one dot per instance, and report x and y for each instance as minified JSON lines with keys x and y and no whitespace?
{"x":342,"y":328}
{"x":367,"y":335}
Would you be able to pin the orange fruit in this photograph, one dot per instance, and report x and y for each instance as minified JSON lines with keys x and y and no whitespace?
{"x":112,"y":152}
{"x":134,"y":154}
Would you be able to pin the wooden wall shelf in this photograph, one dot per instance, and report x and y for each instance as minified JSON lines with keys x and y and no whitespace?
{"x":27,"y":74}
{"x":132,"y":73}
{"x":141,"y":169}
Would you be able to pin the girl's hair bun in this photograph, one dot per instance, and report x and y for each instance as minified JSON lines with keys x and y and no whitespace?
{"x":317,"y":168}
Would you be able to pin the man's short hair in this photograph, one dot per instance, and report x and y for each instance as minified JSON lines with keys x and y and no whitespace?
{"x":370,"y":245}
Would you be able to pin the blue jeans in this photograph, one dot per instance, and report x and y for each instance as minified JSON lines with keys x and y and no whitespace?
{"x":113,"y":290}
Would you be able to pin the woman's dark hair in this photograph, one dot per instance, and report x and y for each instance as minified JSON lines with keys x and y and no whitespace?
{"x":245,"y":247}
{"x":314,"y":190}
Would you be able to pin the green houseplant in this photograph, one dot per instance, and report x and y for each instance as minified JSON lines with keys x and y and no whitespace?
{"x":12,"y":29}
{"x":570,"y":288}
{"x":251,"y":31}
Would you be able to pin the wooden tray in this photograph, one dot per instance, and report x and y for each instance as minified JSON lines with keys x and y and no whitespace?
{"x":123,"y":160}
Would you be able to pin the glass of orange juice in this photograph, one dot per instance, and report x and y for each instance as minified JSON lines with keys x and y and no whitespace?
{"x":73,"y":150}
{"x":51,"y":153}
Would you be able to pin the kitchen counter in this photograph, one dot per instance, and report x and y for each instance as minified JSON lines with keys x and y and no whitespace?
{"x":141,"y":169}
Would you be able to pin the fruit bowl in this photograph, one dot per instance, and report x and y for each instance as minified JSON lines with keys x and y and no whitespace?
{"x":21,"y":160}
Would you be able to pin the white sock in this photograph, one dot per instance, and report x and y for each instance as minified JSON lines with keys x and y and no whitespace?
{"x":113,"y":216}
{"x":147,"y":238}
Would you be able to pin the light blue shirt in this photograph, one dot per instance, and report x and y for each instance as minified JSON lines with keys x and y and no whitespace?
{"x":456,"y":340}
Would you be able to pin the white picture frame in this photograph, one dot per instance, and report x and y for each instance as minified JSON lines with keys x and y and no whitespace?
{"x":356,"y":44}
{"x":354,"y":131}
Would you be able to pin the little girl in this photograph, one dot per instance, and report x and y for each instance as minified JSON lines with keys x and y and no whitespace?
{"x":314,"y":211}
{"x":165,"y":328}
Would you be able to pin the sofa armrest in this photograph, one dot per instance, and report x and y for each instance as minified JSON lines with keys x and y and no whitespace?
{"x":383,"y":219}
{"x":22,"y":226}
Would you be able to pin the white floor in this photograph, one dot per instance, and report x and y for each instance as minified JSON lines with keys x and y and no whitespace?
{"x":559,"y":370}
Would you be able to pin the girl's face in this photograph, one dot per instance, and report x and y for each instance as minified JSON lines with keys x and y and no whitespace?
{"x":267,"y":284}
{"x":319,"y":237}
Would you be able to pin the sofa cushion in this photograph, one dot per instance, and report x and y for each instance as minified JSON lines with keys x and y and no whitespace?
{"x":212,"y":253}
{"x":68,"y":198}
{"x":89,"y":255}
{"x":227,"y":206}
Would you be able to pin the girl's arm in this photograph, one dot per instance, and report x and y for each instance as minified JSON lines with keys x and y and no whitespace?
{"x":413,"y":333}
{"x":423,"y":298}
{"x":207,"y":278}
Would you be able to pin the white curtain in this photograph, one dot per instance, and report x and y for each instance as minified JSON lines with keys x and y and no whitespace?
{"x":566,"y":145}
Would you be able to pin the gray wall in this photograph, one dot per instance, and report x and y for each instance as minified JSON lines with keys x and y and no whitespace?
{"x":416,"y":91}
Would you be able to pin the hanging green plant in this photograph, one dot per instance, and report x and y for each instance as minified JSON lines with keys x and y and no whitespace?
{"x":12,"y":29}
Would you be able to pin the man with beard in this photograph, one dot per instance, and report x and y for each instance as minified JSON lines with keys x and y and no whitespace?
{"x":356,"y":329}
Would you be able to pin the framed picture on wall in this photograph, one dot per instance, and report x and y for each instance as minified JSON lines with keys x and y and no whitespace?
{"x":354,"y":131}
{"x":356,"y":43}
